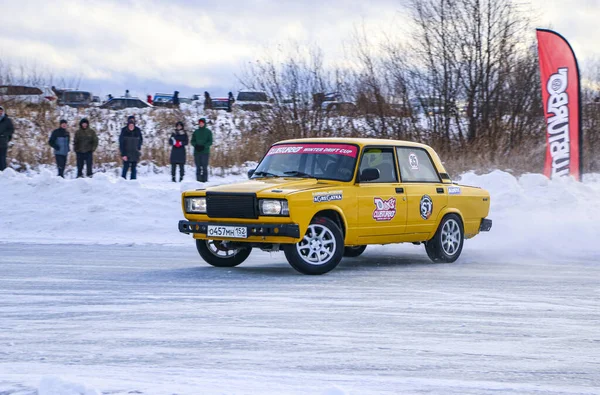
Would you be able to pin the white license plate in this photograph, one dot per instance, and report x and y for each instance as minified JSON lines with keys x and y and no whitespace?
{"x":235,"y":232}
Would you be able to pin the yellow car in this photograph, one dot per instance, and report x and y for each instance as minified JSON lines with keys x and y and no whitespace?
{"x":321,"y":199}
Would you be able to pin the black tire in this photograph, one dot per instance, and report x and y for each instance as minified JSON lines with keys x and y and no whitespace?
{"x":354,"y":251}
{"x":209,"y":250}
{"x":447,"y":244}
{"x":323,"y":234}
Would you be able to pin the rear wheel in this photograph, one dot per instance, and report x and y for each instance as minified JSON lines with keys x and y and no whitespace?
{"x":447,"y":243}
{"x":220,"y":254}
{"x":354,"y":251}
{"x":320,"y":250}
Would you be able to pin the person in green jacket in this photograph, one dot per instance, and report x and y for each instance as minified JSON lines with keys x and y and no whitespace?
{"x":201,"y":141}
{"x":84,"y":145}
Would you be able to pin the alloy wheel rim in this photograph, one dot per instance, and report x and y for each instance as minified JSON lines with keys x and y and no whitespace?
{"x":451,"y":237}
{"x":317,"y":246}
{"x":220,"y":250}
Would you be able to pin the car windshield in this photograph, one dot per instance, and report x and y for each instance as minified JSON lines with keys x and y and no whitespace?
{"x":309,"y":160}
{"x":252,"y":96}
{"x":162,"y":98}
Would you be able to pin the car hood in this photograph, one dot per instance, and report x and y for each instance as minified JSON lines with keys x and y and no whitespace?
{"x":269,"y":186}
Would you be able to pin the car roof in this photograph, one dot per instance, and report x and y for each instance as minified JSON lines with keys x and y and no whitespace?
{"x":359,"y":141}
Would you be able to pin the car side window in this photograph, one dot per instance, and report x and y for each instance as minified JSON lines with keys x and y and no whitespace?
{"x":416,"y":165}
{"x":381,"y":159}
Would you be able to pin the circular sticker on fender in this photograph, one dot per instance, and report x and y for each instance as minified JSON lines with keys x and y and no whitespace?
{"x":426,"y":207}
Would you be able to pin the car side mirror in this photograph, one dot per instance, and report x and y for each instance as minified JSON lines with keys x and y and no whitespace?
{"x":369,"y":174}
{"x":251,"y":172}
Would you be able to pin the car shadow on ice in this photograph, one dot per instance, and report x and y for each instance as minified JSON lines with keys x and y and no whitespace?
{"x":385,"y":260}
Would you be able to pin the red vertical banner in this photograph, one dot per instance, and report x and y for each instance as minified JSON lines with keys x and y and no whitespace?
{"x":562,"y":105}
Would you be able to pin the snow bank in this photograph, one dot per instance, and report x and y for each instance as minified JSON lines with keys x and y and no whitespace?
{"x":537,"y":217}
{"x":57,"y":386}
{"x":533,"y":216}
{"x":105,"y":209}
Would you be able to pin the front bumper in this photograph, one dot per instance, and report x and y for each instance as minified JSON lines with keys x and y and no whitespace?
{"x":285,"y":230}
{"x":486,"y":225}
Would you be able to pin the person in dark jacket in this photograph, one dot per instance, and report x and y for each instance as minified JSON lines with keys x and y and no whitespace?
{"x":6,"y":132}
{"x":207,"y":101}
{"x":59,"y":140}
{"x":130,"y":145}
{"x":84,"y":145}
{"x":201,"y":141}
{"x":230,"y":101}
{"x":176,"y":99}
{"x":179,"y":141}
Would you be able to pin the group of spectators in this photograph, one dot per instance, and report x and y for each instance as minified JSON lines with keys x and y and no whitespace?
{"x":85,"y":143}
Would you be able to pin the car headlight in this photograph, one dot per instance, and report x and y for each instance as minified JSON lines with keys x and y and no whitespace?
{"x":195,"y":205}
{"x":274,"y":207}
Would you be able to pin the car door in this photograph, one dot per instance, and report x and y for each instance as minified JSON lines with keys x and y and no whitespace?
{"x":425,"y":193}
{"x":381,"y":201}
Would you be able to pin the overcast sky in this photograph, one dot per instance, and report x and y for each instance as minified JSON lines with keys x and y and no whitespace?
{"x":192,"y":46}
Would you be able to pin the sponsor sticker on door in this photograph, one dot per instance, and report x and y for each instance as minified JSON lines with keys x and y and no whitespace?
{"x":385,"y":210}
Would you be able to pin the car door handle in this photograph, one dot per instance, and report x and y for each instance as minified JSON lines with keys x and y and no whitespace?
{"x":439,"y":190}
{"x":399,"y":190}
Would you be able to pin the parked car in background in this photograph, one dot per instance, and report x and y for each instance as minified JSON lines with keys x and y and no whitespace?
{"x":252,"y":101}
{"x":166,"y":100}
{"x":220,"y":103}
{"x":26,"y":94}
{"x":75,"y":99}
{"x":162,"y":100}
{"x":119,"y":103}
{"x":331,"y":102}
{"x":431,"y":105}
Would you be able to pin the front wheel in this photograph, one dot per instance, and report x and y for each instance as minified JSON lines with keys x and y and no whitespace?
{"x":354,"y":251}
{"x":447,"y":243}
{"x":320,"y":250}
{"x":220,"y":254}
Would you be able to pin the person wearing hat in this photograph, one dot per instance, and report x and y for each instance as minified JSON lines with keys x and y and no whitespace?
{"x":130,"y":145}
{"x":201,"y":141}
{"x":59,"y":140}
{"x":179,"y":141}
{"x":84,"y":145}
{"x":6,"y":131}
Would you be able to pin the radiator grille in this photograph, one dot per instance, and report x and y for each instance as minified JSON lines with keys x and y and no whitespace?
{"x":226,"y":205}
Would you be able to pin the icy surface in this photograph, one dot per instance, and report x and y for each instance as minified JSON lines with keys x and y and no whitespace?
{"x":156,"y":320}
{"x":99,"y":293}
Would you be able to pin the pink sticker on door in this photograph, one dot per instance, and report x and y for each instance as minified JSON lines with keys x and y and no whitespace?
{"x":385,"y":210}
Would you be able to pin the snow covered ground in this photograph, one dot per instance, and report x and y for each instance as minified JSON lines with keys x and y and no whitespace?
{"x":99,"y":293}
{"x":533,"y":217}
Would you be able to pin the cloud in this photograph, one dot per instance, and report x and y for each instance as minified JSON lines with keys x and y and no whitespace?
{"x":201,"y":44}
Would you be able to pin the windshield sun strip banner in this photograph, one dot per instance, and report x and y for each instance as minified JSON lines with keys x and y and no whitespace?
{"x":329,"y":149}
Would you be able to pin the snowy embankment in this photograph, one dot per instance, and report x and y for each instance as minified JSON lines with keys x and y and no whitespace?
{"x":532,"y":215}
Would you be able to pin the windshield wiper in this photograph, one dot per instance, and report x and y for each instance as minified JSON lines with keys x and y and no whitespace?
{"x":264,"y":174}
{"x":296,"y":173}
